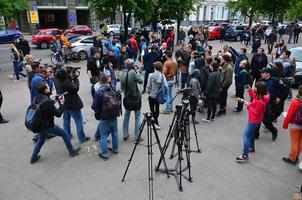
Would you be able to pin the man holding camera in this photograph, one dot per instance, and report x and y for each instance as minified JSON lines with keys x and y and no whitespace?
{"x":48,"y":111}
{"x":67,"y":81}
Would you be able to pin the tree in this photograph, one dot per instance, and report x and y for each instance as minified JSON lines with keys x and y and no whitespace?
{"x":12,"y":8}
{"x":294,"y":11}
{"x":247,"y":8}
{"x":129,"y":8}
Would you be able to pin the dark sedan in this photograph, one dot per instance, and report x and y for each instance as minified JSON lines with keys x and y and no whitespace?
{"x":9,"y":35}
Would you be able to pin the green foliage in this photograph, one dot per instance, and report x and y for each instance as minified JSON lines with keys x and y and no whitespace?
{"x":12,"y":8}
{"x":295,"y":9}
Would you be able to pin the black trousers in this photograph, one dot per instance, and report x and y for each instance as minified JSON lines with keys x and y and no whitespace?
{"x":223,"y":98}
{"x":154,"y":108}
{"x":193,"y":106}
{"x":270,"y":47}
{"x":146,"y":78}
{"x":240,"y":94}
{"x":1,"y":100}
{"x":296,"y":37}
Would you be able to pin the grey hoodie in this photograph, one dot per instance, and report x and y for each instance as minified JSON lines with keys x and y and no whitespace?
{"x":154,"y":82}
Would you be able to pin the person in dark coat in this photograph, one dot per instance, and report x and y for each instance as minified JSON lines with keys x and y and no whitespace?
{"x":259,"y":61}
{"x":212,"y":92}
{"x":23,"y":46}
{"x":67,"y":81}
{"x":241,"y":81}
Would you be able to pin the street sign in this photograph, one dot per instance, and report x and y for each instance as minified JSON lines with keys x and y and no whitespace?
{"x":34,"y":17}
{"x":35,"y":8}
{"x":73,"y":17}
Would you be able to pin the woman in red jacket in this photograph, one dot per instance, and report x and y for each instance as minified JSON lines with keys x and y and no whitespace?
{"x":295,"y":129}
{"x":256,"y":110}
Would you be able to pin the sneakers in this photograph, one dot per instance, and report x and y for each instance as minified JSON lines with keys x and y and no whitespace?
{"x":126,"y":138}
{"x":3,"y":121}
{"x":206,"y":120}
{"x":103,"y":157}
{"x":242,"y":158}
{"x":288,"y":160}
{"x":11,"y":76}
{"x":251,"y":150}
{"x":115,"y":151}
{"x":34,"y":160}
{"x":85,"y":140}
{"x":274,"y":137}
{"x":75,"y":152}
{"x":141,"y":138}
{"x":157,"y":126}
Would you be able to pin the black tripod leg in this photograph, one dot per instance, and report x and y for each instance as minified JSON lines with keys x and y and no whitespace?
{"x":136,"y":143}
{"x":196,"y":138}
{"x":150,"y":160}
{"x":188,"y":156}
{"x":167,"y":142}
{"x":162,"y":157}
{"x":180,"y":168}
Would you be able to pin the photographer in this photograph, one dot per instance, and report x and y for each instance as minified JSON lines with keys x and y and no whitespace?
{"x":67,"y":81}
{"x":48,"y":111}
{"x":94,"y":65}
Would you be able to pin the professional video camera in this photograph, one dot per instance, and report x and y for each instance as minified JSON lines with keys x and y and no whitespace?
{"x":67,"y":72}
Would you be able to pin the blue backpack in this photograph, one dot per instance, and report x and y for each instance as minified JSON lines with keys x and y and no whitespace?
{"x":162,"y":94}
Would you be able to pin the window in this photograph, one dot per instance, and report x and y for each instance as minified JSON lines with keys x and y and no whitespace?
{"x":51,"y":3}
{"x":87,"y":40}
{"x":75,"y":40}
{"x":2,"y":32}
{"x":57,"y":32}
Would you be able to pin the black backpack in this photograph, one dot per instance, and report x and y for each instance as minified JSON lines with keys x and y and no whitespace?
{"x":34,"y":119}
{"x":111,"y":105}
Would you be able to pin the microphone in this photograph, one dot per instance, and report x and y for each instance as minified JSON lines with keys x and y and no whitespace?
{"x":187,"y":89}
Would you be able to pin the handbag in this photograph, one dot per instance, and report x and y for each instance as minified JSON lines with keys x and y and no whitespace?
{"x":162,"y":94}
{"x":131,"y":101}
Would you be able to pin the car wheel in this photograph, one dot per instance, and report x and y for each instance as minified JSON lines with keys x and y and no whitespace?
{"x":83,"y":55}
{"x":238,"y":38}
{"x":43,"y":45}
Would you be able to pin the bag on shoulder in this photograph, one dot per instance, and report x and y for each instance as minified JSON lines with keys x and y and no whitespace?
{"x":298,"y":115}
{"x":34,"y":120}
{"x":111,"y":106}
{"x":162,"y":94}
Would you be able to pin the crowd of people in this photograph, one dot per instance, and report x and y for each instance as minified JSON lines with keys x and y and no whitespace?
{"x":151,"y":62}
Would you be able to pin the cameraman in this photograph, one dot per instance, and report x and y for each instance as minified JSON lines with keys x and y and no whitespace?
{"x":48,"y":111}
{"x":94,"y":65}
{"x":67,"y":81}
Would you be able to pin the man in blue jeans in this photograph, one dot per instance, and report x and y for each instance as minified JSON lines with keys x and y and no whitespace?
{"x":48,"y":111}
{"x":67,"y":81}
{"x":107,"y":125}
{"x":169,"y":70}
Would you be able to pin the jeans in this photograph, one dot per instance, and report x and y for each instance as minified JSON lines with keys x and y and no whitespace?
{"x":183,"y":80}
{"x":107,"y":127}
{"x":169,"y":104}
{"x":42,"y":137}
{"x":138,"y":122}
{"x":78,"y":119}
{"x":154,"y":108}
{"x":248,"y":137}
{"x":17,"y":66}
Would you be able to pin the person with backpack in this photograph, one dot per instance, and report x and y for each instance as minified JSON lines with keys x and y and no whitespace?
{"x":132,"y":47}
{"x":156,"y":80}
{"x":107,"y":108}
{"x":48,"y":111}
{"x":256,"y":109}
{"x":170,"y":72}
{"x":17,"y":59}
{"x":294,"y":118}
{"x":212,"y":92}
{"x":278,"y":89}
{"x":132,"y":98}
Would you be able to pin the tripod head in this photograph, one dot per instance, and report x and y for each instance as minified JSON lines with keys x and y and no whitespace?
{"x":148,"y":116}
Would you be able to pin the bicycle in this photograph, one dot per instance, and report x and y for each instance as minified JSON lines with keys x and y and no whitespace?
{"x":59,"y":57}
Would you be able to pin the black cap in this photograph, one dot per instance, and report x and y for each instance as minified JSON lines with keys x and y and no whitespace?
{"x":266,"y":70}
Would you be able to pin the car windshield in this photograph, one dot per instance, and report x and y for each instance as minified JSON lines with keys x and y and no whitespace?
{"x":297,"y":53}
{"x":74,"y":40}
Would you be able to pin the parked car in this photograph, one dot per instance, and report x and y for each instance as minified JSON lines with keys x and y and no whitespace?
{"x":234,"y":32}
{"x":82,"y":46}
{"x":9,"y":35}
{"x":149,"y":28}
{"x":79,"y":29}
{"x":214,"y":33}
{"x":45,"y":36}
{"x":296,"y":53}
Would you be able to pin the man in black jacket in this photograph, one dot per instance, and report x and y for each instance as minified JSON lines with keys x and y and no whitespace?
{"x":259,"y":61}
{"x":23,"y":46}
{"x":67,"y":81}
{"x":94,"y":65}
{"x":48,"y":111}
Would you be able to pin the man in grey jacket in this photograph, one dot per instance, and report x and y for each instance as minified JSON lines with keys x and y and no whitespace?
{"x":226,"y":79}
{"x":130,"y":79}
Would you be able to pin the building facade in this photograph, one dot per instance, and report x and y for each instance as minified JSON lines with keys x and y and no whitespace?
{"x":211,"y":11}
{"x":57,"y":14}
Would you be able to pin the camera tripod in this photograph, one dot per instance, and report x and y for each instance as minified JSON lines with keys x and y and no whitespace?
{"x":180,"y":131}
{"x":148,"y":119}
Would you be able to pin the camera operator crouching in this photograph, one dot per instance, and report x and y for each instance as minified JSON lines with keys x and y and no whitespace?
{"x":66,"y":80}
{"x":48,"y":111}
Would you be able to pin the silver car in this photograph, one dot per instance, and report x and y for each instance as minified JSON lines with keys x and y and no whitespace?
{"x":82,"y":45}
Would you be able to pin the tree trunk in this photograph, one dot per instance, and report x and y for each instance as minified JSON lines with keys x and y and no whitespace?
{"x":126,"y":24}
{"x":178,"y":29}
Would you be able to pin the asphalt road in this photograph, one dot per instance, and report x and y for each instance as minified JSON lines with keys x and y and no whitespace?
{"x":215,"y":173}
